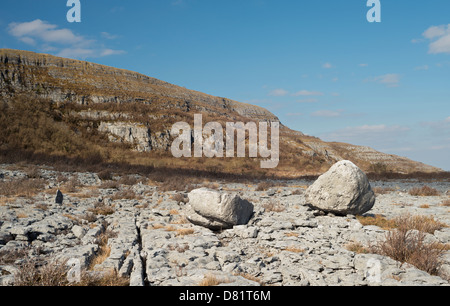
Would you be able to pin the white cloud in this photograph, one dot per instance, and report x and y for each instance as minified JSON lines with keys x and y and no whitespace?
{"x":44,"y":31}
{"x":390,"y":80}
{"x":106,"y":52}
{"x":439,"y":37}
{"x":62,"y":42}
{"x":278,"y":92}
{"x":363,"y":65}
{"x":327,"y":66}
{"x":307,"y":93}
{"x":433,"y":32}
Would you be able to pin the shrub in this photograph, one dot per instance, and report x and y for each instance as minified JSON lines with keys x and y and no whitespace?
{"x":446,"y":202}
{"x":51,"y":274}
{"x":407,"y":246}
{"x":126,"y":194}
{"x":382,"y":190}
{"x":21,"y":188}
{"x":179,"y":197}
{"x":101,"y":209}
{"x":105,"y":175}
{"x":54,"y":273}
{"x":426,"y":224}
{"x":425,"y":191}
{"x":273,"y":206}
{"x":264,"y":186}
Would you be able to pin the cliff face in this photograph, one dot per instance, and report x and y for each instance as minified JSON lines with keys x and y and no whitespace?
{"x":137,"y":110}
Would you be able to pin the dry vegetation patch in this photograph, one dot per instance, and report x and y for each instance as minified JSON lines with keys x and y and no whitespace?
{"x":24,"y":187}
{"x":405,"y":241}
{"x":274,"y":207}
{"x":55,"y":274}
{"x":425,"y":191}
{"x":212,"y":280}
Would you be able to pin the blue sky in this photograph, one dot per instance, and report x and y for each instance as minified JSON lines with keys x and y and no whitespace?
{"x":319,"y":65}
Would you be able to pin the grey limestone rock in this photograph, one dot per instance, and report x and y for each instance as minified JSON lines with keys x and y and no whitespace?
{"x":343,"y":190}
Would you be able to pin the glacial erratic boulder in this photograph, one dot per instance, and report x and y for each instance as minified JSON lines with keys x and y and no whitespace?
{"x":217,"y":210}
{"x":344,"y":189}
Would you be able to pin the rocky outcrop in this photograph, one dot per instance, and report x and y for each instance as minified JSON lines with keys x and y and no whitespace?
{"x":149,"y":107}
{"x":343,"y":190}
{"x":132,"y":133}
{"x":151,"y":243}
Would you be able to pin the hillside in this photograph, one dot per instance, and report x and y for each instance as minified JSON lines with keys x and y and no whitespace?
{"x":57,"y":107}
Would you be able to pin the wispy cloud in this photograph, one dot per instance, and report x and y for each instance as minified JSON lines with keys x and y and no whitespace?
{"x":374,"y":135}
{"x":439,"y":37}
{"x":304,"y":93}
{"x":308,"y":100}
{"x":390,"y":80}
{"x":280,"y":92}
{"x":60,"y":41}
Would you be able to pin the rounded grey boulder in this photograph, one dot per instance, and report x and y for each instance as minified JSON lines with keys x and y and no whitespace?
{"x":217,"y":210}
{"x":342,"y":190}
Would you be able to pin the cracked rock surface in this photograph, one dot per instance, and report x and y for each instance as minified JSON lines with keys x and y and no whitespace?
{"x":151,"y":242}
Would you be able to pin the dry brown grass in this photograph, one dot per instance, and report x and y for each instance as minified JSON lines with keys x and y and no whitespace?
{"x":357,"y":247}
{"x":180,"y":220}
{"x":377,"y":220}
{"x":291,"y":234}
{"x":383,"y":190}
{"x":108,"y":279}
{"x":425,"y":224}
{"x":105,"y":175}
{"x":22,"y":187}
{"x":180,"y":198}
{"x":274,"y":207}
{"x":212,"y":280}
{"x":264,"y":186}
{"x":446,"y":203}
{"x":101,"y":209}
{"x":126,"y":194}
{"x":425,"y":191}
{"x":54,"y":274}
{"x":294,"y":250}
{"x":185,"y":231}
{"x":104,"y":249}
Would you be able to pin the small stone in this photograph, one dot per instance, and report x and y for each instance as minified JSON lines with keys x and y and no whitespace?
{"x":59,"y":197}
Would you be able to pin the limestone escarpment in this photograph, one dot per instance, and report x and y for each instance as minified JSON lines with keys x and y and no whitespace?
{"x":137,"y":110}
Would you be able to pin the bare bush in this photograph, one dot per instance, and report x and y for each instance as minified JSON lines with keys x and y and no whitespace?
{"x":425,"y":191}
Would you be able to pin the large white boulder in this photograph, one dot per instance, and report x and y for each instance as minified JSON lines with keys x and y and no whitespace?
{"x":344,"y":189}
{"x":217,"y":210}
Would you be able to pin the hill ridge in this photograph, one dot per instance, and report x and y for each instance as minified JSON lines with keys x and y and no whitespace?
{"x":118,"y":110}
